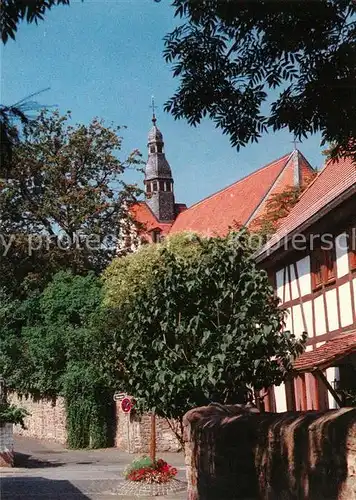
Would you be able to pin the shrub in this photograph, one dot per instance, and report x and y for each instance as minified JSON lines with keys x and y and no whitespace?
{"x":11,"y":414}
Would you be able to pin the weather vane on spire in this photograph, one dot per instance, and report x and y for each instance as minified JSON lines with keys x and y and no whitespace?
{"x":295,"y":142}
{"x":154,"y":119}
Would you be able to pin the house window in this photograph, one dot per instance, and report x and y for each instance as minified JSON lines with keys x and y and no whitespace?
{"x":161,"y":185}
{"x":152,"y":148}
{"x":127,"y":242}
{"x":323,"y":267}
{"x":329,"y":266}
{"x":168,"y":186}
{"x":156,"y":236}
{"x":148,"y":187}
{"x":159,"y":148}
{"x":317,"y":267}
{"x":154,"y":187}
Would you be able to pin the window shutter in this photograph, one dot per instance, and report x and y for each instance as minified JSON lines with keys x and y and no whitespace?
{"x":352,"y":249}
{"x":317,"y":268}
{"x":330,"y":264}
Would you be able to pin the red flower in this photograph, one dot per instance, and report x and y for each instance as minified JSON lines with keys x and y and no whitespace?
{"x":161,"y":473}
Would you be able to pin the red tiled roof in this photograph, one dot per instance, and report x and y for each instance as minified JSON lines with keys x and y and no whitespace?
{"x":327,"y":354}
{"x":141,"y":212}
{"x":235,"y":204}
{"x":334,"y":180}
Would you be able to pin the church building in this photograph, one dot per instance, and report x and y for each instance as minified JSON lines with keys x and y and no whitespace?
{"x":241,"y":203}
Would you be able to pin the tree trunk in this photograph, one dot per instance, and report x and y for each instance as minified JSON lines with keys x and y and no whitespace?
{"x":153,"y":437}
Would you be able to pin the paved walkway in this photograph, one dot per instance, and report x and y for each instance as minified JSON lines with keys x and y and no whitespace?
{"x":48,"y":471}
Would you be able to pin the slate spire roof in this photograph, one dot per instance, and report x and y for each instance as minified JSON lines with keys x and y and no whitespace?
{"x":159,"y":184}
{"x":155,"y":135}
{"x":157,"y":165}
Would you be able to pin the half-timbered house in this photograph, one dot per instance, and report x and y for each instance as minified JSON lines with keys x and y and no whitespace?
{"x":311,"y":261}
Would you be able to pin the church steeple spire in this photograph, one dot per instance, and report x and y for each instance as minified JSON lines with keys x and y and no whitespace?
{"x":158,"y":176}
{"x":154,"y":119}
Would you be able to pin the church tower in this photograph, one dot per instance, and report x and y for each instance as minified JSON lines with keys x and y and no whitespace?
{"x":158,"y":177}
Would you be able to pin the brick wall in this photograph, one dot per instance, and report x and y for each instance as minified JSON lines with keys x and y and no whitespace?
{"x":234,"y":455}
{"x":133,"y":433}
{"x":47,"y":418}
{"x":6,"y":445}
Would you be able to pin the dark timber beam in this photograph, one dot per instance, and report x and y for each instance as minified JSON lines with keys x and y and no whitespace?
{"x":329,"y":387}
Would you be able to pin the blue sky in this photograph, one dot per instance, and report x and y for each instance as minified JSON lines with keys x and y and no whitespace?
{"x":104,"y":58}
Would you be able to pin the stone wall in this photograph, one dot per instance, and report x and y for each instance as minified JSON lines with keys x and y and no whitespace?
{"x":47,"y":418}
{"x":6,"y":445}
{"x":133,"y":433}
{"x":232,"y":454}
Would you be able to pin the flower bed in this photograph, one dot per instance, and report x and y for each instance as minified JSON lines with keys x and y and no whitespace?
{"x":147,"y":471}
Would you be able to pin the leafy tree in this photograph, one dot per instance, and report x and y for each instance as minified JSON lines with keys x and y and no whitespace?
{"x":333,"y":150}
{"x":41,"y":333}
{"x":50,"y":346}
{"x":13,"y":367}
{"x":12,"y":414}
{"x":15,"y":11}
{"x":12,"y":120}
{"x":128,"y":275}
{"x":206,"y":329}
{"x":63,"y":199}
{"x":9,"y":133}
{"x":228,"y":54}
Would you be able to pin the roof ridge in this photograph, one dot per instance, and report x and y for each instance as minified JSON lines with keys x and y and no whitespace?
{"x":143,"y":203}
{"x":154,"y":216}
{"x":312,"y":182}
{"x":155,"y":223}
{"x":240,"y":180}
{"x":318,"y":205}
{"x":270,"y":188}
{"x":309,"y":165}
